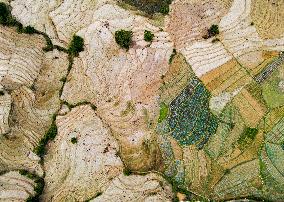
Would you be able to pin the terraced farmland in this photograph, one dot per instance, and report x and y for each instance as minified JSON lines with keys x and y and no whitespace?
{"x":190,"y":119}
{"x":143,"y":100}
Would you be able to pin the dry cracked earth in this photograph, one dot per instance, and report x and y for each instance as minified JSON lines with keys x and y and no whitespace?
{"x":194,"y":114}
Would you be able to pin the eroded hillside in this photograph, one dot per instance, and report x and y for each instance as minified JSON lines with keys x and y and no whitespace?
{"x":141,"y":100}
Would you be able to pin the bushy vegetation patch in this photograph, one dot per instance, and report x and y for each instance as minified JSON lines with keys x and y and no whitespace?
{"x":151,"y":7}
{"x":163,"y":112}
{"x":148,"y":36}
{"x":247,"y":136}
{"x":127,"y":171}
{"x":74,"y":140}
{"x":50,"y":135}
{"x":123,"y":38}
{"x":212,"y":31}
{"x":172,"y":56}
{"x":76,"y":45}
{"x":39,"y":184}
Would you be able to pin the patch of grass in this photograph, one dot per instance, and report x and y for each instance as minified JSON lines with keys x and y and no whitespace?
{"x":172,"y":56}
{"x":123,"y":38}
{"x":127,"y":172}
{"x":63,"y":79}
{"x":39,"y":184}
{"x":50,"y":135}
{"x":164,"y":109}
{"x":74,"y":140}
{"x":148,"y":36}
{"x":165,"y":9}
{"x":151,"y":7}
{"x":247,"y":136}
{"x":76,"y":46}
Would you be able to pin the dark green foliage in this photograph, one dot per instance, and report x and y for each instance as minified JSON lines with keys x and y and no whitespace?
{"x":164,"y":9}
{"x":252,"y":23}
{"x":148,"y":36}
{"x":74,"y":140}
{"x":151,"y":7}
{"x":213,"y":30}
{"x":172,"y":56}
{"x":2,"y":93}
{"x":282,"y":145}
{"x":50,"y":135}
{"x":76,"y":46}
{"x":63,"y":79}
{"x":39,"y":185}
{"x":98,"y":194}
{"x":127,"y":172}
{"x":247,"y":136}
{"x":123,"y":38}
{"x":30,"y":30}
{"x":93,"y":107}
{"x":4,"y":14}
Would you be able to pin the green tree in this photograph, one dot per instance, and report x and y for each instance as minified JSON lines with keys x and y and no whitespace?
{"x":213,"y":30}
{"x":74,"y":140}
{"x":76,"y":45}
{"x":123,"y":38}
{"x":148,"y":36}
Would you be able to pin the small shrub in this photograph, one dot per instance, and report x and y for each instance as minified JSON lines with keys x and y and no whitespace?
{"x":164,"y":9}
{"x":2,"y":93}
{"x":50,"y":135}
{"x":127,"y":172}
{"x":23,"y":172}
{"x":172,"y":56}
{"x":63,"y":79}
{"x":74,"y":140}
{"x":30,"y":30}
{"x":123,"y":38}
{"x":252,"y":23}
{"x":213,"y":30}
{"x":148,"y":36}
{"x":76,"y":46}
{"x":4,"y":13}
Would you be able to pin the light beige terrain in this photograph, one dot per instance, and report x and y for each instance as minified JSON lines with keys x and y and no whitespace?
{"x":112,"y":142}
{"x":150,"y":187}
{"x":15,"y":187}
{"x":30,"y":83}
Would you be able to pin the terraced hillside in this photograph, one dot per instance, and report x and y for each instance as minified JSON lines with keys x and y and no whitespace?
{"x":145,"y":100}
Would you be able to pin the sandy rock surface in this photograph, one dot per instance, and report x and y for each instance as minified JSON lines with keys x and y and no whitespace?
{"x":78,"y":171}
{"x":15,"y":187}
{"x":30,"y":83}
{"x":116,"y":110}
{"x":150,"y":187}
{"x":123,"y":85}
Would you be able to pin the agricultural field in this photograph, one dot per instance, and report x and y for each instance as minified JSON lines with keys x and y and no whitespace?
{"x":141,"y":100}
